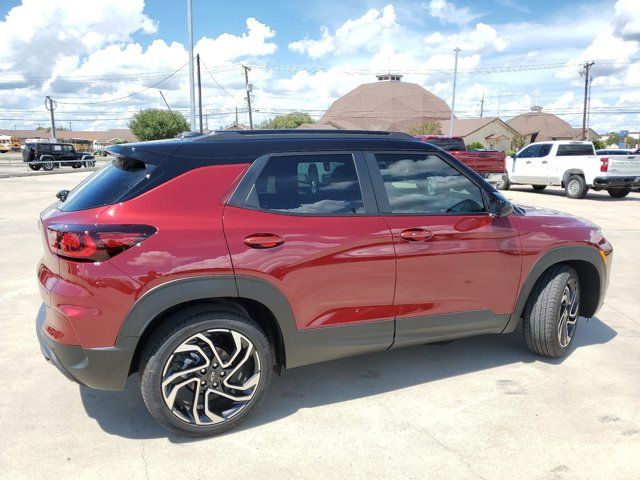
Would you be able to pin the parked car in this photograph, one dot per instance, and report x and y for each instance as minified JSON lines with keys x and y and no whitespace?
{"x":55,"y":155}
{"x":575,"y":166}
{"x":208,"y":264}
{"x":489,"y":164}
{"x":5,"y":143}
{"x":615,"y":151}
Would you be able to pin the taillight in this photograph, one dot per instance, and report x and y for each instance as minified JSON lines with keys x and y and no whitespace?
{"x":604,"y":167}
{"x":95,"y":243}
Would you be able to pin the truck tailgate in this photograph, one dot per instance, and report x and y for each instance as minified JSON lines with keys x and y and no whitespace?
{"x":482,"y":162}
{"x":624,"y":165}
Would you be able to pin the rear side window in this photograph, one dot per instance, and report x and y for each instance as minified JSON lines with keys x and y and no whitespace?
{"x":108,"y":185}
{"x":578,"y":149}
{"x":308,"y":184}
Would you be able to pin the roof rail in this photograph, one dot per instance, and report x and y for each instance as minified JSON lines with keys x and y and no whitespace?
{"x":297,"y":133}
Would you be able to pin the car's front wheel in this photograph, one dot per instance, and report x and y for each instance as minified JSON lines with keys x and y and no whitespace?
{"x":205,"y":370}
{"x":551,"y":314}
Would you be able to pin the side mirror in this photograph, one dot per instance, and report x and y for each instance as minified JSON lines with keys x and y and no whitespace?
{"x":500,"y":206}
{"x":62,"y":195}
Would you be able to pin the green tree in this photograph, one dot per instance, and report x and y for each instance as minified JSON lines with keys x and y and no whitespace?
{"x":426,"y":127}
{"x":517,"y":142}
{"x":599,"y":144}
{"x":614,"y":139}
{"x":290,"y":120}
{"x":156,"y":124}
{"x":475,"y":146}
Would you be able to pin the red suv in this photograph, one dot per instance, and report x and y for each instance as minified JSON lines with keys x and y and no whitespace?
{"x":207,"y":264}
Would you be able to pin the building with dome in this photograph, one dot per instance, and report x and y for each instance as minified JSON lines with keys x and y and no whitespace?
{"x":539,"y":126}
{"x":388,"y":104}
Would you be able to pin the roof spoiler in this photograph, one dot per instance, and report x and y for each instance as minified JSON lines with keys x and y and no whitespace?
{"x":146,"y":152}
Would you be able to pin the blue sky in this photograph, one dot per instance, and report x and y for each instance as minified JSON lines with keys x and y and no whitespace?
{"x":306,"y":54}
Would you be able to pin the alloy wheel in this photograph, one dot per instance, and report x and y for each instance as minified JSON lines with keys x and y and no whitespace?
{"x":211,"y":377}
{"x":569,"y":306}
{"x":574,"y":187}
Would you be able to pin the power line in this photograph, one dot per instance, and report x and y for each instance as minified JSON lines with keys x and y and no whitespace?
{"x":216,"y":81}
{"x":126,"y":96}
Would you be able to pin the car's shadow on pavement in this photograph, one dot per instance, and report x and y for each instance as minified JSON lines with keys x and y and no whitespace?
{"x":124,"y":413}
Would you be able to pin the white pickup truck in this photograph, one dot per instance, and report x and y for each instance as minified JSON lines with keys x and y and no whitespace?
{"x":575,"y":166}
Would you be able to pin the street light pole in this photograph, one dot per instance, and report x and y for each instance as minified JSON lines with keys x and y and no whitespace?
{"x":453,"y":98}
{"x":192,"y":95}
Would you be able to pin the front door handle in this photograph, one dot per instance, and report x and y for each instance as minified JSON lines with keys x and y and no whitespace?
{"x":528,"y":161}
{"x":263,"y":240}
{"x":544,"y":161}
{"x":416,"y":235}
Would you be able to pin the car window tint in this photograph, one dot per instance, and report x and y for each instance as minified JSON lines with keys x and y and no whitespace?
{"x":426,"y":184}
{"x":531,"y":151}
{"x":308,"y":184}
{"x":544,"y":150}
{"x":57,"y":148}
{"x":579,"y":149}
{"x":45,"y":148}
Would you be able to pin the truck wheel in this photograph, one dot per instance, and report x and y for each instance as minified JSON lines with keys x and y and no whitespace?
{"x":205,"y":370}
{"x":48,"y":166}
{"x":504,"y":184}
{"x":619,"y":192}
{"x":76,"y":165}
{"x":576,"y":187}
{"x":539,"y":187}
{"x":34,"y":167}
{"x":551,"y":313}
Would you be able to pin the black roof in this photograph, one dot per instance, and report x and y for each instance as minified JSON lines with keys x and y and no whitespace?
{"x":245,"y":146}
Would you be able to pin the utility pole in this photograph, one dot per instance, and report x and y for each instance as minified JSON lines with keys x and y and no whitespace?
{"x":192,"y":96}
{"x":482,"y":105}
{"x":589,"y":108}
{"x":51,"y":106}
{"x":453,"y":98}
{"x":249,"y":88}
{"x":199,"y":93}
{"x":585,"y":72}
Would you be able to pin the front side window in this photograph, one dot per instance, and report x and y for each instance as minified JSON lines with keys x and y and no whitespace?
{"x":531,"y":151}
{"x":426,"y":184}
{"x":544,"y":150}
{"x":308,"y":184}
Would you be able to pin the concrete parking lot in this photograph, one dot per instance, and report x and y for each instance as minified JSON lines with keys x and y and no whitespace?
{"x":476,"y":408}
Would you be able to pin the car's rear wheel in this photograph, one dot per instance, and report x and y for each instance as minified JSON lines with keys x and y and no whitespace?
{"x":619,"y":192}
{"x":48,"y":166}
{"x":539,"y":187}
{"x":34,"y":167}
{"x":576,"y":187}
{"x":551,"y":313}
{"x":205,"y":371}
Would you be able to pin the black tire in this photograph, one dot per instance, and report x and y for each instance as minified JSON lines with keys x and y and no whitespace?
{"x":48,"y":166}
{"x":543,"y":311}
{"x":178,"y":328}
{"x":619,"y":192}
{"x":576,"y":187}
{"x":76,"y":165}
{"x":539,"y":187}
{"x":34,"y":167}
{"x":504,"y":184}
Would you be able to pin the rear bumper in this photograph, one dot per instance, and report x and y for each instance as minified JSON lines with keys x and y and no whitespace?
{"x":613,"y":182}
{"x":101,"y":368}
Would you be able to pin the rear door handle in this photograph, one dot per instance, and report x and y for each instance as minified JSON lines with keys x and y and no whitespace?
{"x":416,"y":235}
{"x":263,"y":240}
{"x":544,"y":161}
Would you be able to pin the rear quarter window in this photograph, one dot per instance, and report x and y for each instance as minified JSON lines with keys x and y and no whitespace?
{"x":108,"y":185}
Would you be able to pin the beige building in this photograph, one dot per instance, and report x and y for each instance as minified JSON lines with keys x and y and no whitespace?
{"x":539,"y":126}
{"x":388,"y":104}
{"x":491,"y":132}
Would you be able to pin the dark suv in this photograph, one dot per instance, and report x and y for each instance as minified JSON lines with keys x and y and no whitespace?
{"x":207,"y":264}
{"x":54,"y":155}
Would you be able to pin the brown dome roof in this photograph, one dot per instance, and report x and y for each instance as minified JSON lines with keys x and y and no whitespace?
{"x":385,"y":105}
{"x":545,"y":126}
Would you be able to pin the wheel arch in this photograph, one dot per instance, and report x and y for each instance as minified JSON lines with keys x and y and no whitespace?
{"x":591,"y":270}
{"x":568,"y":173}
{"x":152,"y":309}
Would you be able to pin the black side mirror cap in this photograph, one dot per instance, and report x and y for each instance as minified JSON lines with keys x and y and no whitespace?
{"x":62,"y":195}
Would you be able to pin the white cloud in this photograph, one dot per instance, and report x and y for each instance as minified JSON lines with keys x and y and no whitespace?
{"x":447,"y":12}
{"x":228,"y":47}
{"x":627,"y":19}
{"x":367,"y":31}
{"x":483,"y":38}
